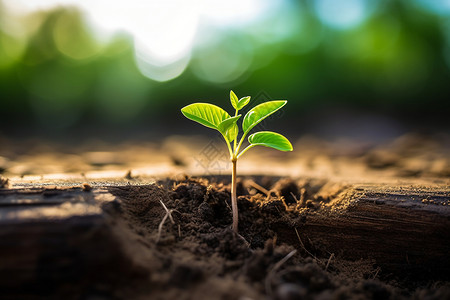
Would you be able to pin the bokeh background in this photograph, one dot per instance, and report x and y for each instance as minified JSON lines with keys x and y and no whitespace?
{"x":76,"y":69}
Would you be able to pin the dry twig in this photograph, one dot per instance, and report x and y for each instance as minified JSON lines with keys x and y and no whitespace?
{"x":269,"y":277}
{"x":258,"y":187}
{"x":329,"y":260}
{"x":303,"y":246}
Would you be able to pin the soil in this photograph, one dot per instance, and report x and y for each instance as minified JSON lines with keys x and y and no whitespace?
{"x":174,"y":234}
{"x":197,"y":256}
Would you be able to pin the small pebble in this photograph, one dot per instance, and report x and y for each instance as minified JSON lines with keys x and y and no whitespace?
{"x":86,"y":187}
{"x":290,"y":291}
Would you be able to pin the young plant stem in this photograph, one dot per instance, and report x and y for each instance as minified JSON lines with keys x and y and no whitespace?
{"x":234,"y":207}
{"x":235,"y":140}
{"x":245,"y":150}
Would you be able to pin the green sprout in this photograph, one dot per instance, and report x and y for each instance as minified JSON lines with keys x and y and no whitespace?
{"x":215,"y":117}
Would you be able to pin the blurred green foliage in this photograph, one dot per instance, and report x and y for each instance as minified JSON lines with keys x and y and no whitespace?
{"x":59,"y":75}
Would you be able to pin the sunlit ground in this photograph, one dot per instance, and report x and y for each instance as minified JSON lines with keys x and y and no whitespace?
{"x":410,"y":158}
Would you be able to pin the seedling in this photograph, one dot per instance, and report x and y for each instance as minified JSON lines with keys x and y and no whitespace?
{"x":215,"y":117}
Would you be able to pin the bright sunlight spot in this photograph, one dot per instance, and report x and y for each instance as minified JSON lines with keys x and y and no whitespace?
{"x":234,"y":12}
{"x":163,"y":31}
{"x":343,"y":14}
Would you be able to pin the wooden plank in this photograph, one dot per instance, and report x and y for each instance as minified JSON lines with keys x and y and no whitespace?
{"x":57,"y":241}
{"x":406,"y":230}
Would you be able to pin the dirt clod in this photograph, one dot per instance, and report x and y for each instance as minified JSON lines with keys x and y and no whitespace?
{"x":86,"y":187}
{"x":4,"y":182}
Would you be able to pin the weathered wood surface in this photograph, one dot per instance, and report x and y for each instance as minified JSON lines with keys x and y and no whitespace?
{"x":60,"y":240}
{"x":405,"y":230}
{"x":65,"y":236}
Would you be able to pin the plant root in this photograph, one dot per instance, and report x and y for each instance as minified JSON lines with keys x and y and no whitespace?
{"x":167,"y":215}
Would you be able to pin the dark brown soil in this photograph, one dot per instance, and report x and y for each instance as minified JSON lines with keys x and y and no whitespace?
{"x":197,"y":256}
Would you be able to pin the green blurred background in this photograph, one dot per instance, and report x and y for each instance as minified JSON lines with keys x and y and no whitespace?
{"x":115,"y":70}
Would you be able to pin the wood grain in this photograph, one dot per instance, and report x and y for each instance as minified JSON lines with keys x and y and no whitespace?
{"x":405,"y":230}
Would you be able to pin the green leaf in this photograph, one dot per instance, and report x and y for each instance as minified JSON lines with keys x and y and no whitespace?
{"x":270,"y":139}
{"x":206,"y":114}
{"x":243,"y":102}
{"x":234,"y":100}
{"x":259,"y":113}
{"x":229,"y":129}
